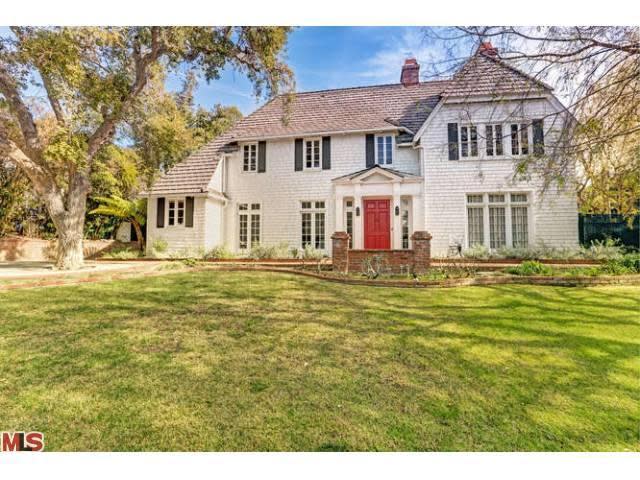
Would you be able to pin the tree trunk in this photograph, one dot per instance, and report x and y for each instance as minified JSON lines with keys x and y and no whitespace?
{"x":70,"y":225}
{"x":139,"y":236}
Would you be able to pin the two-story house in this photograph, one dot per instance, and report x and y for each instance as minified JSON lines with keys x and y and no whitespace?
{"x":378,"y":162}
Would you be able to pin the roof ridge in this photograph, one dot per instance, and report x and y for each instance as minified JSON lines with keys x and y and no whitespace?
{"x":360,"y":87}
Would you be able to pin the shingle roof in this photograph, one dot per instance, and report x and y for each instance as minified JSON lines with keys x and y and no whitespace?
{"x":349,"y":109}
{"x":485,"y":74}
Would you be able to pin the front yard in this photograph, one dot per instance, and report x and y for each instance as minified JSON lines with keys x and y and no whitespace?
{"x":269,"y":361}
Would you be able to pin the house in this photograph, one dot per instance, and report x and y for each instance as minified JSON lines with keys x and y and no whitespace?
{"x":379,"y":162}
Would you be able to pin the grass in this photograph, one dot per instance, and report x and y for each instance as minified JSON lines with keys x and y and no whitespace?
{"x":266,"y":361}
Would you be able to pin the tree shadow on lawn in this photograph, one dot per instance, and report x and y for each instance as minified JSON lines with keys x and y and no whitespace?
{"x":273,"y":362}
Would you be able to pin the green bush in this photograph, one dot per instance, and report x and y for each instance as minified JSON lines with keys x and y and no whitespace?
{"x":478,"y":252}
{"x":530,"y":267}
{"x":607,"y":249}
{"x":220,"y":252}
{"x":159,"y":247}
{"x":123,"y":253}
{"x":267,"y":252}
{"x":310,"y":253}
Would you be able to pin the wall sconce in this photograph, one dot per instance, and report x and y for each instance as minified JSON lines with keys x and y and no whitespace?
{"x":357,"y":211}
{"x":397,"y":210}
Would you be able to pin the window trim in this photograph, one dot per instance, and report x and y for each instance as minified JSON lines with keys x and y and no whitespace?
{"x":313,"y":211}
{"x":468,"y":143}
{"x":304,"y":154}
{"x":528,"y":124}
{"x":248,"y":212}
{"x":508,"y":203}
{"x":375,"y":149}
{"x":249,"y":145}
{"x":175,"y":200}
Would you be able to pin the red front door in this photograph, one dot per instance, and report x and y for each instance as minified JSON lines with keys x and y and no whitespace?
{"x":377,"y":232}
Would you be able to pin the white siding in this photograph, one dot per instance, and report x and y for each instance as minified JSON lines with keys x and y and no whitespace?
{"x":554,"y":215}
{"x":179,"y":238}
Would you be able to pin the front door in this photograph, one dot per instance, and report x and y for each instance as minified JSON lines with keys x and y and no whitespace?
{"x":377,"y":219}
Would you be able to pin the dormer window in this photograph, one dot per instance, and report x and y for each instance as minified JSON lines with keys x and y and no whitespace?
{"x":312,"y":153}
{"x":250,"y":158}
{"x":384,"y":149}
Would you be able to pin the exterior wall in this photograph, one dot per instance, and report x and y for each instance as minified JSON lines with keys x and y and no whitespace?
{"x":280,"y":189}
{"x":180,"y":239}
{"x":553,"y":216}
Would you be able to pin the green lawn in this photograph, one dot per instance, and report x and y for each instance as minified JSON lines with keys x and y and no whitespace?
{"x":266,"y":361}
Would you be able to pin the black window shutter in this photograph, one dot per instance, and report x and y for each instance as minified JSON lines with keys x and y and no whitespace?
{"x":298,"y":155}
{"x":370,"y":150}
{"x":538,"y":137}
{"x":452,"y":130}
{"x":188,"y":222}
{"x":326,"y":153}
{"x":160,"y":213}
{"x":262,"y":156}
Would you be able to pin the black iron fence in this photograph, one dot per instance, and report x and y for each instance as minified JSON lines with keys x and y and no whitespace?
{"x":599,"y":227}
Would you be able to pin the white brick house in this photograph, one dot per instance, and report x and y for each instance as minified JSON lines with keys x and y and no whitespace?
{"x":380,"y":163}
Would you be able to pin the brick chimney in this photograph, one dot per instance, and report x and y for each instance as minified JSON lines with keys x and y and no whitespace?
{"x":487,"y":49}
{"x":410,"y":72}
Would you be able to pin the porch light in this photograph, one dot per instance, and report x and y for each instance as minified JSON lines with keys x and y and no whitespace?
{"x":397,"y":210}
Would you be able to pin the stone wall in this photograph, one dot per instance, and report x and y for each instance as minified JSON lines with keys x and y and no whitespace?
{"x":416,"y":260}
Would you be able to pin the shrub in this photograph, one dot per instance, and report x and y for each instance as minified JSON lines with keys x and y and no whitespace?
{"x":310,"y":253}
{"x":631,"y":261}
{"x":265,"y":252}
{"x":607,"y":249}
{"x":219,"y":252}
{"x":159,"y":247}
{"x":479,"y":252}
{"x":530,"y":267}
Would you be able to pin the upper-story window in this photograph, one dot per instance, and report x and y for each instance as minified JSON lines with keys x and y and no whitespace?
{"x":312,"y":153}
{"x":384,"y":149}
{"x":519,"y":139}
{"x":468,"y":141}
{"x":250,"y":158}
{"x":493,"y":137}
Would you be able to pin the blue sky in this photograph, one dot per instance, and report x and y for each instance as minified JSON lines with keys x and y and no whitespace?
{"x":329,"y":57}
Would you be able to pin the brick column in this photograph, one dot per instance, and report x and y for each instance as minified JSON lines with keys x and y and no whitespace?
{"x":340,"y":251}
{"x":421,"y":251}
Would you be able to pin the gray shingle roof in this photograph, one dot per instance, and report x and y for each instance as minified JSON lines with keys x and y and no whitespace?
{"x":349,"y":109}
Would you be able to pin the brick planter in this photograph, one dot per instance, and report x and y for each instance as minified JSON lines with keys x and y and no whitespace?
{"x":416,"y":260}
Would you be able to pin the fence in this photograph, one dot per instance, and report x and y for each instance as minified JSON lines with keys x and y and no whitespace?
{"x":599,"y":227}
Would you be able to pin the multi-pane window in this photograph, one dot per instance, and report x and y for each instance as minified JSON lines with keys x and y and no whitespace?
{"x":176,"y":212}
{"x":404,"y":221}
{"x":493,"y":136}
{"x":497,"y":224}
{"x":475,"y":220}
{"x":312,"y":153}
{"x":249,"y":225}
{"x":250,"y":158}
{"x":519,"y":220}
{"x":468,"y":141}
{"x":349,"y":220}
{"x":384,"y":150}
{"x":313,"y":224}
{"x":498,"y":220}
{"x":519,"y":139}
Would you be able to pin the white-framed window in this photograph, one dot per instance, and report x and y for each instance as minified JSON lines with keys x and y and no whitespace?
{"x":468,"y":141}
{"x":250,"y":157}
{"x":494,"y":140}
{"x":313,"y":223}
{"x":175,"y":212}
{"x":384,"y":149}
{"x":249,"y":225}
{"x":348,"y":220}
{"x":312,"y":153}
{"x":520,"y":138}
{"x":498,"y":219}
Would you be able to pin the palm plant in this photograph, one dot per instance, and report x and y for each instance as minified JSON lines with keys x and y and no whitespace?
{"x":133,"y":211}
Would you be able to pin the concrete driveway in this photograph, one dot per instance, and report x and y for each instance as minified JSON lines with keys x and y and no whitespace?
{"x":36,"y":270}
